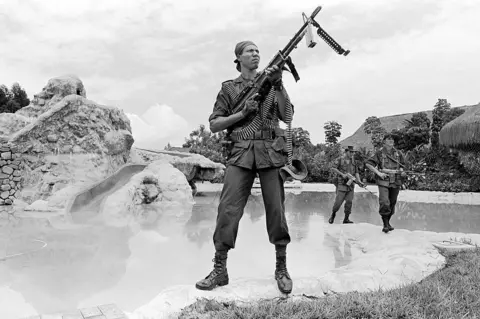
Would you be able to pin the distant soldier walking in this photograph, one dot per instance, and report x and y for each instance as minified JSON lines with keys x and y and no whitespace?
{"x":387,"y":164}
{"x":346,"y":168}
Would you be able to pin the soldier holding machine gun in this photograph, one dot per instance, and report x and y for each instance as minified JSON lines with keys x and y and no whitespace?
{"x":249,"y":107}
{"x":347,"y":171}
{"x":388,"y":164}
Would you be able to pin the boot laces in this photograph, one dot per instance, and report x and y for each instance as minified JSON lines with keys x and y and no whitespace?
{"x":218,"y":267}
{"x":282,"y":268}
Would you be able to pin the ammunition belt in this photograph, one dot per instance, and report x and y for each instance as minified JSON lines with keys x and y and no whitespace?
{"x":258,"y":135}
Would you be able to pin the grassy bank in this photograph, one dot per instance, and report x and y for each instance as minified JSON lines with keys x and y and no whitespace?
{"x":451,"y":292}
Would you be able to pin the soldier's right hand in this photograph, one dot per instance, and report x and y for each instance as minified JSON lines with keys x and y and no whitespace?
{"x":251,"y":106}
{"x":382,"y":175}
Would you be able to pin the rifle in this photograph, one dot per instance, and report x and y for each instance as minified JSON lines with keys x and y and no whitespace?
{"x":397,"y":171}
{"x":391,"y":158}
{"x":350,"y":177}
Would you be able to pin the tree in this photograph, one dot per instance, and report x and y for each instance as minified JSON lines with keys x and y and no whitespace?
{"x":438,"y":114}
{"x":373,"y":127}
{"x":300,"y":138}
{"x":203,"y":142}
{"x":4,"y":96}
{"x":371,"y":124}
{"x":12,"y":100}
{"x":12,"y":106}
{"x":19,"y":95}
{"x":419,"y":119}
{"x":452,"y":114}
{"x":416,"y":132}
{"x":332,"y":132}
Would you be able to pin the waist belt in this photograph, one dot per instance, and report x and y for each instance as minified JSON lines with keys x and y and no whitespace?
{"x":258,"y":135}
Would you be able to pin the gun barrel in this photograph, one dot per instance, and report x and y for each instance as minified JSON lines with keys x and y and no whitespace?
{"x":317,"y":10}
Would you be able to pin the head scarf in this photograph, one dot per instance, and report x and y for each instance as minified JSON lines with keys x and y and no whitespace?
{"x":239,"y":50}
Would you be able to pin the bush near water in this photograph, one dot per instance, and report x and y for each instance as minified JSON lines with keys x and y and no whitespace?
{"x":443,"y":152}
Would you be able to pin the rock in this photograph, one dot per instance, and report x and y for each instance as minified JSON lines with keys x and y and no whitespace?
{"x":7,"y":170}
{"x":39,"y":205}
{"x":194,"y":166}
{"x":60,"y":120}
{"x":12,"y":122}
{"x":117,"y":142}
{"x":77,"y":131}
{"x":159,"y":187}
{"x":4,"y":195}
{"x":6,"y":155}
{"x":52,"y":138}
{"x":55,"y":90}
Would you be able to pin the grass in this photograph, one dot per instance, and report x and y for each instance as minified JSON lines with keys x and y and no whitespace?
{"x":451,"y":292}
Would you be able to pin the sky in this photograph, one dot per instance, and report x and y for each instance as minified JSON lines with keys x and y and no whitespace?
{"x":163,"y":61}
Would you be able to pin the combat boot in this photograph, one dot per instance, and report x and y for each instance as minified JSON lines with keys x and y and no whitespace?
{"x":385,"y":228}
{"x":390,"y":228}
{"x":332,"y":218}
{"x":346,"y":220}
{"x":284,"y":282}
{"x":218,"y":276}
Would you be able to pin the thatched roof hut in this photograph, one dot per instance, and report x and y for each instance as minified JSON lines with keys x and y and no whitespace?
{"x":463,"y":133}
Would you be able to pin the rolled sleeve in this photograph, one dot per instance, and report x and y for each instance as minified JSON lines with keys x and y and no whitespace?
{"x":374,"y":161}
{"x":221,"y":107}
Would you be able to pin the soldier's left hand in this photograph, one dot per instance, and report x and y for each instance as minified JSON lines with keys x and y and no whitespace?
{"x":274,"y":73}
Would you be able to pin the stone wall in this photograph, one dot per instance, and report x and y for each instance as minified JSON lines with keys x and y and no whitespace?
{"x":10,"y":176}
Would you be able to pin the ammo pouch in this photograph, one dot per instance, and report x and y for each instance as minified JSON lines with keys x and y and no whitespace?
{"x":391,"y":177}
{"x":280,"y":141}
{"x":280,"y":145}
{"x":226,"y":148}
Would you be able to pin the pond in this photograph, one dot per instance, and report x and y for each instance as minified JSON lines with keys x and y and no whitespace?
{"x":91,"y":264}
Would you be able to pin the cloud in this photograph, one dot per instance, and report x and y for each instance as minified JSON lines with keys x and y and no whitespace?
{"x":158,"y":126}
{"x":135,"y":53}
{"x":407,"y":73}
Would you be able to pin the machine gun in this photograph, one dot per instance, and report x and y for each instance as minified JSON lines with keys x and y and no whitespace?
{"x":261,"y":86}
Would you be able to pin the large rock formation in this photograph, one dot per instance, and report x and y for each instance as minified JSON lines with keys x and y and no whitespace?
{"x":55,"y":90}
{"x":147,"y":195}
{"x":195,"y":167}
{"x":65,"y":139}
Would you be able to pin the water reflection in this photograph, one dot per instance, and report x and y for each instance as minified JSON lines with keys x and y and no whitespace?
{"x":341,"y":258}
{"x":74,"y":264}
{"x":129,"y":266}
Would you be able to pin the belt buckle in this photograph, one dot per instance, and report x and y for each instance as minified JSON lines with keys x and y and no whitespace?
{"x":257,"y":135}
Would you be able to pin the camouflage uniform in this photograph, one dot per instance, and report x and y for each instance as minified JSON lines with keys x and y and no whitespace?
{"x":259,"y":147}
{"x":344,"y":192}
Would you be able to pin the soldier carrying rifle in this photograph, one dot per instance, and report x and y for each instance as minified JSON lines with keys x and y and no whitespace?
{"x":388,"y":164}
{"x":347,"y":176}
